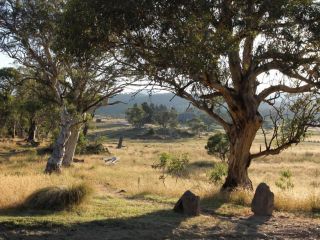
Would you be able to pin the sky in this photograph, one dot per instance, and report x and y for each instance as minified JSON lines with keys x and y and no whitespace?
{"x":5,"y":61}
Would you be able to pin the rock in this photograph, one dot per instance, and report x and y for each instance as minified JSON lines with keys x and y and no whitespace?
{"x":188,"y":204}
{"x":112,"y":160}
{"x":263,"y":201}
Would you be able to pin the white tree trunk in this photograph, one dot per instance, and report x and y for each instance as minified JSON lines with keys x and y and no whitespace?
{"x":55,"y":160}
{"x":71,"y":145}
{"x":32,"y":131}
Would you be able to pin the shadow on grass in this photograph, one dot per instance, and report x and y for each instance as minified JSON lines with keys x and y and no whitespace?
{"x":141,"y":133}
{"x":248,"y":228}
{"x":21,"y":211}
{"x":202,"y":164}
{"x":163,"y":224}
{"x":126,"y":132}
{"x":155,"y":225}
{"x":212,"y":203}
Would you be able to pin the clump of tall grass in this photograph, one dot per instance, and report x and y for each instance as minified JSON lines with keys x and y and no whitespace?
{"x":241,"y":197}
{"x":58,"y":198}
{"x":291,"y":203}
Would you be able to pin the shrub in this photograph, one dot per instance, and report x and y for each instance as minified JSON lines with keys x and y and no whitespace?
{"x":218,"y":145}
{"x":219,"y":171}
{"x":96,"y":147}
{"x":178,"y":166}
{"x":58,"y":198}
{"x":175,"y":166}
{"x":285,"y":180}
{"x":241,"y":197}
{"x":151,"y":132}
{"x":82,"y":144}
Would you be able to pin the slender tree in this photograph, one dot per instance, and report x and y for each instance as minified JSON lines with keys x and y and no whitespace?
{"x":136,"y":116}
{"x":226,"y":54}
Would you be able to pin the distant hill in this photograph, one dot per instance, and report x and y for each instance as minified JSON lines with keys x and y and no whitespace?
{"x":168,"y":99}
{"x":129,"y":100}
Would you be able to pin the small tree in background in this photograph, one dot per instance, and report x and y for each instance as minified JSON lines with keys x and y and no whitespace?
{"x":149,"y":111}
{"x":136,"y":116}
{"x":197,"y":125}
{"x":23,"y":108}
{"x":285,"y":180}
{"x":8,"y":106}
{"x":165,"y":117}
{"x":218,"y":145}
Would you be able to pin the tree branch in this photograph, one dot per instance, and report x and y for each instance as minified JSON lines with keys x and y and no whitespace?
{"x":283,"y":88}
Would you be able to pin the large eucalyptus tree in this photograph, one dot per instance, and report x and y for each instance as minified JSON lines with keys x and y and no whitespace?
{"x":78,"y":83}
{"x":224,"y":54}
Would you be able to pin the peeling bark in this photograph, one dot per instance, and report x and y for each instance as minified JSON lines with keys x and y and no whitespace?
{"x":32,"y":131}
{"x":55,"y":160}
{"x":71,"y":145}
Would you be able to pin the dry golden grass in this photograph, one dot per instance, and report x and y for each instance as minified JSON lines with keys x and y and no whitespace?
{"x":58,"y":198}
{"x":22,"y":174}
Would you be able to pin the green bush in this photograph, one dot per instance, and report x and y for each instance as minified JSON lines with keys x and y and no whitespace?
{"x":58,"y":198}
{"x":82,"y":144}
{"x":151,"y":132}
{"x":96,"y":147}
{"x":218,"y":145}
{"x":218,"y":172}
{"x":285,"y":180}
{"x":175,"y":166}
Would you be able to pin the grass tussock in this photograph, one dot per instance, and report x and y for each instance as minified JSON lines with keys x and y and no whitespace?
{"x":58,"y":198}
{"x":287,"y":202}
{"x":241,"y":197}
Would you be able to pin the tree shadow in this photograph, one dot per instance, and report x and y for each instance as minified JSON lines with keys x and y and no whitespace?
{"x":202,"y":164}
{"x":245,"y":228}
{"x":163,"y":224}
{"x":154,"y":225}
{"x":248,"y":228}
{"x":114,"y":132}
{"x":211,"y":204}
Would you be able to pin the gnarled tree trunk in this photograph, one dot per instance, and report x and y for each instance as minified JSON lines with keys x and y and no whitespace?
{"x":71,"y":145}
{"x":55,"y":160}
{"x":32,"y":131}
{"x":241,"y":139}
